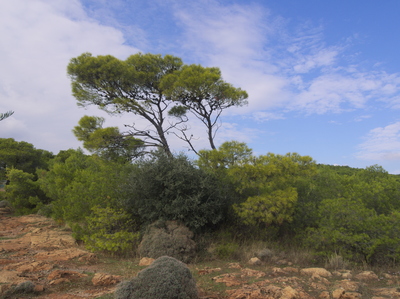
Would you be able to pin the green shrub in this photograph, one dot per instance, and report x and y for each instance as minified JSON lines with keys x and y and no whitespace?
{"x":168,"y":238}
{"x":76,"y":183}
{"x":355,"y":232}
{"x":165,"y":278}
{"x":109,"y":230}
{"x":225,"y":251}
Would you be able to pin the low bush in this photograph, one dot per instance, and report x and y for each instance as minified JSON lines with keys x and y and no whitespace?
{"x":165,"y":278}
{"x":168,"y":238}
{"x":110,"y":230}
{"x":26,"y":287}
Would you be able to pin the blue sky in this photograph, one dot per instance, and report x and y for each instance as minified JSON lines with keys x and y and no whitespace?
{"x":323,"y":77}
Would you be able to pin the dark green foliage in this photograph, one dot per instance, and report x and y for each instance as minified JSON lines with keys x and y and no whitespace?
{"x":166,"y":278}
{"x":26,"y":287}
{"x":21,"y":155}
{"x":24,"y":193}
{"x":168,"y":238}
{"x":171,"y":188}
{"x":226,"y":251}
{"x":348,"y":227}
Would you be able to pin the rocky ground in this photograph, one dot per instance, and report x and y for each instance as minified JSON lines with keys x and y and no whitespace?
{"x":33,"y":248}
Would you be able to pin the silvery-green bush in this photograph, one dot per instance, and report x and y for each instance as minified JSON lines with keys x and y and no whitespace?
{"x":165,"y":278}
{"x":169,"y":238}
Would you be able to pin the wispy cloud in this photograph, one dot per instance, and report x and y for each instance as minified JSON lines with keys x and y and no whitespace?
{"x":382,"y":143}
{"x":281,"y":69}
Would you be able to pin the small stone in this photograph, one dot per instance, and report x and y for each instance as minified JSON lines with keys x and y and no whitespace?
{"x":254,"y":261}
{"x":289,"y":293}
{"x":58,"y":281}
{"x":38,"y":288}
{"x":234,"y":266}
{"x":351,"y":295}
{"x":367,"y":275}
{"x":338,"y":293}
{"x":102,"y":279}
{"x":324,"y":295}
{"x":316,"y":272}
{"x":146,"y":261}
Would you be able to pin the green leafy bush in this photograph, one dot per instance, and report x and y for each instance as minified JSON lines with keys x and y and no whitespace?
{"x":166,"y":277}
{"x":77,"y":182}
{"x":225,"y":251}
{"x":110,"y":230}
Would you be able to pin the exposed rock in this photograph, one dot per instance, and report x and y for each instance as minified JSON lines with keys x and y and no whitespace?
{"x":388,"y":292}
{"x":51,"y":239}
{"x":254,"y":261}
{"x":367,"y":275}
{"x":228,"y":279}
{"x":338,"y":293}
{"x":351,"y":295}
{"x":252,"y":273}
{"x":61,"y":255}
{"x":38,"y":288}
{"x":315,"y":272}
{"x":234,"y":266}
{"x":25,"y":267}
{"x":59,"y":281}
{"x":324,"y":295}
{"x":67,"y":274}
{"x":348,"y":285}
{"x":146,"y":261}
{"x":283,"y":271}
{"x":289,"y":293}
{"x":88,"y":258}
{"x":102,"y":279}
{"x":208,"y":270}
{"x":13,"y":277}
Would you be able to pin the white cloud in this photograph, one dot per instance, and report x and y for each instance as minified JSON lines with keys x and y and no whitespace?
{"x":382,"y":143}
{"x":39,"y":37}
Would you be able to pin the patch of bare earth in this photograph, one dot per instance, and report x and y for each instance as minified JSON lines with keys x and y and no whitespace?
{"x":33,"y":248}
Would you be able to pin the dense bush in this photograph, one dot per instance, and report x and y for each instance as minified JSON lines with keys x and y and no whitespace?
{"x":21,"y":155}
{"x":77,"y":182}
{"x":348,"y":227}
{"x":110,"y":230}
{"x":172,"y":188}
{"x":165,"y":278}
{"x":24,"y":193}
{"x":168,"y":238}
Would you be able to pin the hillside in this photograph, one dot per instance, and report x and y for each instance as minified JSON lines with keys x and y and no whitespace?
{"x":33,"y":248}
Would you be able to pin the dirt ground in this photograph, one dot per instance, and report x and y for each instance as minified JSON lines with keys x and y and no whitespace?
{"x":33,"y":248}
